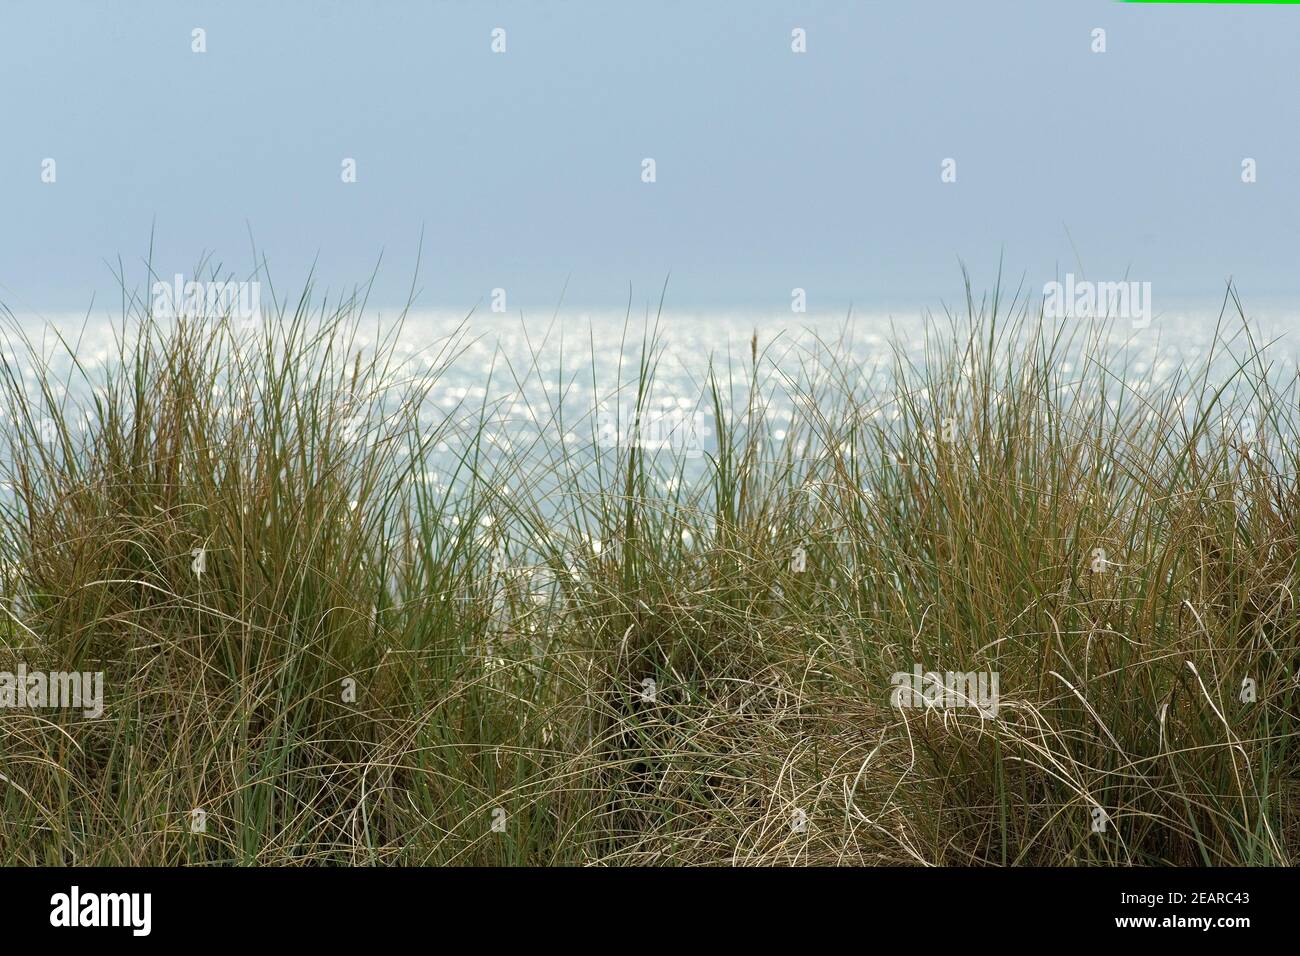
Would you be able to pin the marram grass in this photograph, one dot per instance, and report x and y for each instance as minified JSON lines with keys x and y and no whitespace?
{"x":578,"y":653}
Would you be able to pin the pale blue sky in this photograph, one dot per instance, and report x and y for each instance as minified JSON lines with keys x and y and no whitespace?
{"x":775,"y":170}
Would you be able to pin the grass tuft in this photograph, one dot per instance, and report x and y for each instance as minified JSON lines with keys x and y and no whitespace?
{"x":339,"y":617}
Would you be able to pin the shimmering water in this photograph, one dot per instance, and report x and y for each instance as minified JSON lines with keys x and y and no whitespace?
{"x":517,"y":386}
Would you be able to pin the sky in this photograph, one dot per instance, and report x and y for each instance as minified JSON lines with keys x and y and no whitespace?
{"x":522,"y":170}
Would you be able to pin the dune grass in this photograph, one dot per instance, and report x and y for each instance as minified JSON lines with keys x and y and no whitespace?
{"x":582,"y":651}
